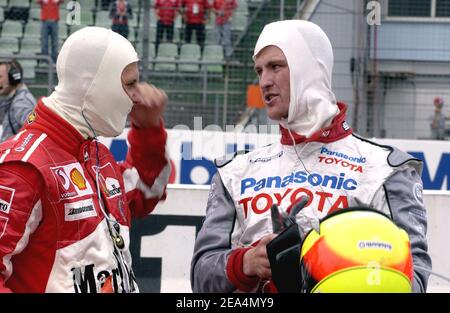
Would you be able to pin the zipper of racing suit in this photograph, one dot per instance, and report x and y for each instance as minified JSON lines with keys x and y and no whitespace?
{"x":114,"y":232}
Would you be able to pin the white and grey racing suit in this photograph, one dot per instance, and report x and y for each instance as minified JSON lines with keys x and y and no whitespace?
{"x":348,"y":172}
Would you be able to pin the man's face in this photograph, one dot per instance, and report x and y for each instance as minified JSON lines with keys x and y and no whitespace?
{"x":274,"y":81}
{"x":130,"y":80}
{"x":5,"y":88}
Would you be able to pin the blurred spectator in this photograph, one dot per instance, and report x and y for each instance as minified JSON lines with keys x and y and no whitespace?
{"x":49,"y":18}
{"x":223,"y":10}
{"x":17,"y":100}
{"x":120,"y":12}
{"x":194,"y":19}
{"x":166,"y":11}
{"x":438,"y":120}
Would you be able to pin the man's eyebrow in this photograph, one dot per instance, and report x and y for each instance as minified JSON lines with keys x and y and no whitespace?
{"x":277,"y":61}
{"x":271,"y":62}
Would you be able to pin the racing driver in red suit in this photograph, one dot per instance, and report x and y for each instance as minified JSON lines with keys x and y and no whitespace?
{"x":65,"y":203}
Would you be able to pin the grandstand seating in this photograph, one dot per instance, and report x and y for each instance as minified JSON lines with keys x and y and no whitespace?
{"x":28,"y":67}
{"x":62,"y":30}
{"x":32,"y":30}
{"x":242,"y":7}
{"x":35,"y":14}
{"x":30,"y":45}
{"x":213,"y":53}
{"x":166,"y":52}
{"x":151,"y":49}
{"x":102,"y":19}
{"x":12,"y":29}
{"x":9,"y":45}
{"x":210,"y":37}
{"x":191,"y":53}
{"x":20,"y":3}
{"x":238,"y":22}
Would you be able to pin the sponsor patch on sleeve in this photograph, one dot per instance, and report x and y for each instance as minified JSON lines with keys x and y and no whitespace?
{"x":6,"y":197}
{"x":418,"y":192}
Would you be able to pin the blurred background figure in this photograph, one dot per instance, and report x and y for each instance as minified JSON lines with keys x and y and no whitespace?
{"x":438,"y":120}
{"x":49,"y":30}
{"x":195,"y":19}
{"x":166,"y":10}
{"x":120,"y":12}
{"x":17,"y":101}
{"x":223,"y":10}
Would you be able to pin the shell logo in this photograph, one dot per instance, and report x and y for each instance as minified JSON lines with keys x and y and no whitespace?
{"x":77,"y":178}
{"x":31,"y":117}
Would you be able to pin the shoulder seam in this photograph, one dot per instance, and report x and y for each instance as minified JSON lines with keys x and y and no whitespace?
{"x":235,"y":154}
{"x":390,"y":148}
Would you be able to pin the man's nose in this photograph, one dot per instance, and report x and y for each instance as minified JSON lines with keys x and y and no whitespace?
{"x":265,"y":80}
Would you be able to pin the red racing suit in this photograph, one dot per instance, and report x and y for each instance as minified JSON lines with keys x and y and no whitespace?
{"x":54,"y":235}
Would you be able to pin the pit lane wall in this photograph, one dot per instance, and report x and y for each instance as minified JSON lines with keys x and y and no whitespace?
{"x":162,"y":243}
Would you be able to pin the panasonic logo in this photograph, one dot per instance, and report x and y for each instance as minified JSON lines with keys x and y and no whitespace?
{"x":314,"y":179}
{"x":343,"y":156}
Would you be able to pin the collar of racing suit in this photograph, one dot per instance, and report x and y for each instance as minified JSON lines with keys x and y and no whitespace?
{"x":337,"y":130}
{"x":56,"y":128}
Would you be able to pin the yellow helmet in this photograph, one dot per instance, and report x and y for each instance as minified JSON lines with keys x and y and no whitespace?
{"x":357,"y":250}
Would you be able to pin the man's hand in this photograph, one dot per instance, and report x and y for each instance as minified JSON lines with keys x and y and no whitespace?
{"x":256,"y":262}
{"x":148,"y":106}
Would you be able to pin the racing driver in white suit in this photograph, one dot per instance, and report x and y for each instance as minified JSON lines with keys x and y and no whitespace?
{"x":318,"y":156}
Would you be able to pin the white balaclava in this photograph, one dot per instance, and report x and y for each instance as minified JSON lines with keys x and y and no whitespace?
{"x":309,"y":56}
{"x":89,"y":69}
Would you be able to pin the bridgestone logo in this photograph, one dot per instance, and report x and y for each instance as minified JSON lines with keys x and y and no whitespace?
{"x":75,"y":211}
{"x":80,"y":210}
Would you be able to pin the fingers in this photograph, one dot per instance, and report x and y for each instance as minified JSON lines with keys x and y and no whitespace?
{"x":266,"y":239}
{"x":151,"y":96}
{"x":256,"y":262}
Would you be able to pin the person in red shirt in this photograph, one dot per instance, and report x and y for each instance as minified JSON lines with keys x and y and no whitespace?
{"x":194,"y":18}
{"x":120,"y":12}
{"x":223,"y":10}
{"x":49,"y":18}
{"x":166,"y":11}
